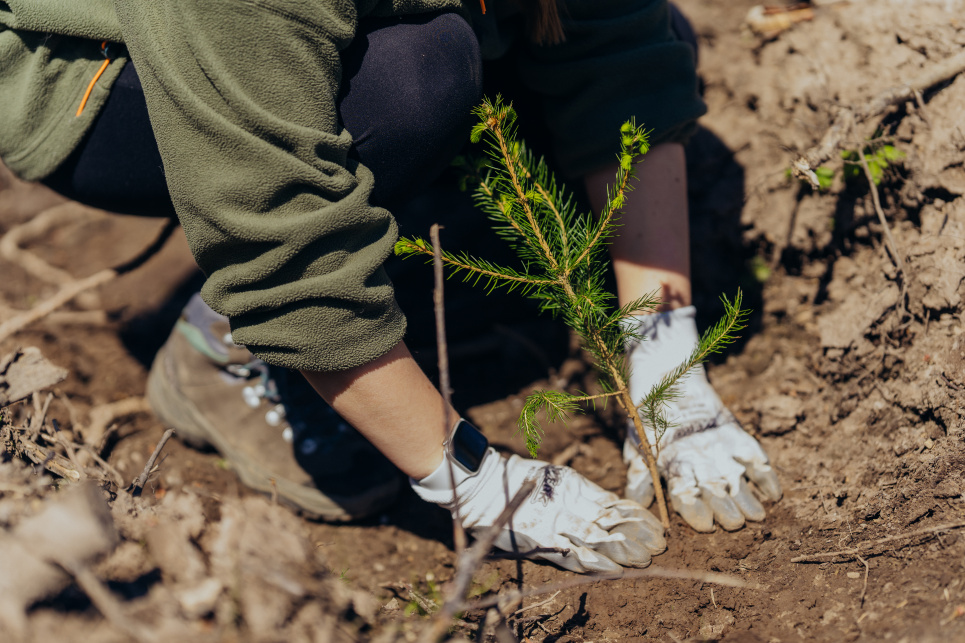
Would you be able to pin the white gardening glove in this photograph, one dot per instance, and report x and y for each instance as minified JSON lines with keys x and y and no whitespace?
{"x":705,"y":454}
{"x":600,"y":530}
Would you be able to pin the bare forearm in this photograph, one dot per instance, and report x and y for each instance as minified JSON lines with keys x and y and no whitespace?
{"x":394,"y":405}
{"x":652,"y":249}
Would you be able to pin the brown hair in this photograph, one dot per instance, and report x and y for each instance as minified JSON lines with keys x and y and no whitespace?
{"x":543,"y":20}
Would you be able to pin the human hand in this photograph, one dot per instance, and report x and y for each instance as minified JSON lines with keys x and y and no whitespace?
{"x":566,"y":520}
{"x":705,"y":457}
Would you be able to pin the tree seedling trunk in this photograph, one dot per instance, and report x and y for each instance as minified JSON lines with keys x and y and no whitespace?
{"x":564,"y":266}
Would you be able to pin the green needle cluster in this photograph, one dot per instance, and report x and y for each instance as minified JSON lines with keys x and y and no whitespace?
{"x":564,"y":266}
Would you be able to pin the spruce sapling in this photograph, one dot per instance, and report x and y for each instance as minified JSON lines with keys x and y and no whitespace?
{"x":564,"y":267}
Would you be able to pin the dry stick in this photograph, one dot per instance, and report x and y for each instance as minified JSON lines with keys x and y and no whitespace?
{"x":846,"y":117}
{"x":438,"y":305}
{"x":56,"y":464}
{"x":892,"y":246}
{"x":468,"y":563}
{"x":540,"y":604}
{"x":629,"y":574}
{"x":107,"y":605}
{"x":864,"y":590}
{"x":70,"y":290}
{"x":865,"y":547}
{"x":101,"y":416}
{"x":36,"y":227}
{"x":138,"y":484}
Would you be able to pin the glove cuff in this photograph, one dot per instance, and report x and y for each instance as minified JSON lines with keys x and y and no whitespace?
{"x":437,"y":487}
{"x":666,"y":340}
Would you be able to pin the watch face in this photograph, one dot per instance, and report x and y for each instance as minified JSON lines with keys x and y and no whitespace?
{"x":468,"y":446}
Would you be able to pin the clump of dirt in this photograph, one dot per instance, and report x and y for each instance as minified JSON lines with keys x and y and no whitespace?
{"x":852,"y":374}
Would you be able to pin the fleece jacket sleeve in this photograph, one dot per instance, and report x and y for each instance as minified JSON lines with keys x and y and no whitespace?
{"x":242,"y":97}
{"x":619,"y":60}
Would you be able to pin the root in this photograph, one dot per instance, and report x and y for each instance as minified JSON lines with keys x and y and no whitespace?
{"x":877,"y":547}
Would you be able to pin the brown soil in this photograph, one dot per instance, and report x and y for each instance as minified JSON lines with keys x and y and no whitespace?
{"x":851,"y":374}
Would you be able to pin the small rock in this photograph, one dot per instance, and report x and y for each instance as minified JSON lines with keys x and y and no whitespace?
{"x":392,"y":605}
{"x":201,"y":599}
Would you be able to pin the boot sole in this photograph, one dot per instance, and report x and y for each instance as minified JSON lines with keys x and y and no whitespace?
{"x":192,"y":427}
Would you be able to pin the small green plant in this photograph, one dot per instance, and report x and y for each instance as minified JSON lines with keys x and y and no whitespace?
{"x":824,"y":176}
{"x":564,"y":266}
{"x":879,"y":157}
{"x":424,"y":600}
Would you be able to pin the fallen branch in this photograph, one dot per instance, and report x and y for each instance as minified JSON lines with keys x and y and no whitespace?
{"x":46,"y":458}
{"x":37,"y":227}
{"x":66,"y":293}
{"x":869,"y":548}
{"x":141,"y":480}
{"x":71,"y":289}
{"x":846,"y":117}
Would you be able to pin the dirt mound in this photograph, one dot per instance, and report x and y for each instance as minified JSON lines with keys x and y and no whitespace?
{"x":852,"y":374}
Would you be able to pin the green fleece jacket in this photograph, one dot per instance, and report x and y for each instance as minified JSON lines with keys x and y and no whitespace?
{"x":241,"y":95}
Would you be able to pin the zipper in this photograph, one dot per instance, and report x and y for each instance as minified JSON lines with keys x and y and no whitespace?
{"x":100,"y":72}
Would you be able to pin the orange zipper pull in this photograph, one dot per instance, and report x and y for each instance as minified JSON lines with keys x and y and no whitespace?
{"x":482,"y":3}
{"x":100,"y":72}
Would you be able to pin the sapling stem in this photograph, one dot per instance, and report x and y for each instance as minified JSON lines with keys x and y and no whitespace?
{"x":565,"y":268}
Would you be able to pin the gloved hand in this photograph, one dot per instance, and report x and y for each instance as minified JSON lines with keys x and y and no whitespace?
{"x":601,"y":531}
{"x":705,"y":455}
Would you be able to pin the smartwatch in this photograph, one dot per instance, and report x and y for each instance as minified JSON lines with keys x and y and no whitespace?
{"x":466,"y":447}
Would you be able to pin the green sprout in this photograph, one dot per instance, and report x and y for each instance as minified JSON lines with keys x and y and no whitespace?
{"x":879,"y":157}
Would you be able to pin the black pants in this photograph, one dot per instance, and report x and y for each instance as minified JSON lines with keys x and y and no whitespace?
{"x":408,"y":85}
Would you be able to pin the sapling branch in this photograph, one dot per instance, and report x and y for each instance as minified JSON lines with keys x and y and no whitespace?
{"x":565,"y":268}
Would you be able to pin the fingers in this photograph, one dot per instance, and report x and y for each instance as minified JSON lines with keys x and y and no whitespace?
{"x":766,"y":480}
{"x":726,"y":512}
{"x":584,"y":560}
{"x":633,"y":550}
{"x":640,"y":490}
{"x":639,"y":481}
{"x":630,"y":509}
{"x":693,"y":510}
{"x":750,"y":506}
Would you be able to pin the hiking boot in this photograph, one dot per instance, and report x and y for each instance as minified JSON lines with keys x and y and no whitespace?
{"x":267,"y":422}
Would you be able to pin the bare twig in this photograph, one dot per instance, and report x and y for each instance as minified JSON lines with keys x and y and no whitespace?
{"x":66,"y":293}
{"x":468,"y":562}
{"x":535,"y":605}
{"x":892,"y":246}
{"x":71,"y":289}
{"x":103,"y":415}
{"x":438,"y":304}
{"x":52,"y":462}
{"x":847,"y":118}
{"x":141,"y":480}
{"x":36,"y":227}
{"x":869,"y":548}
{"x":564,"y":457}
{"x":864,"y":590}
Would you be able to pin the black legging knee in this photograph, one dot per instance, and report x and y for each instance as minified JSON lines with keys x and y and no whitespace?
{"x":408,"y":85}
